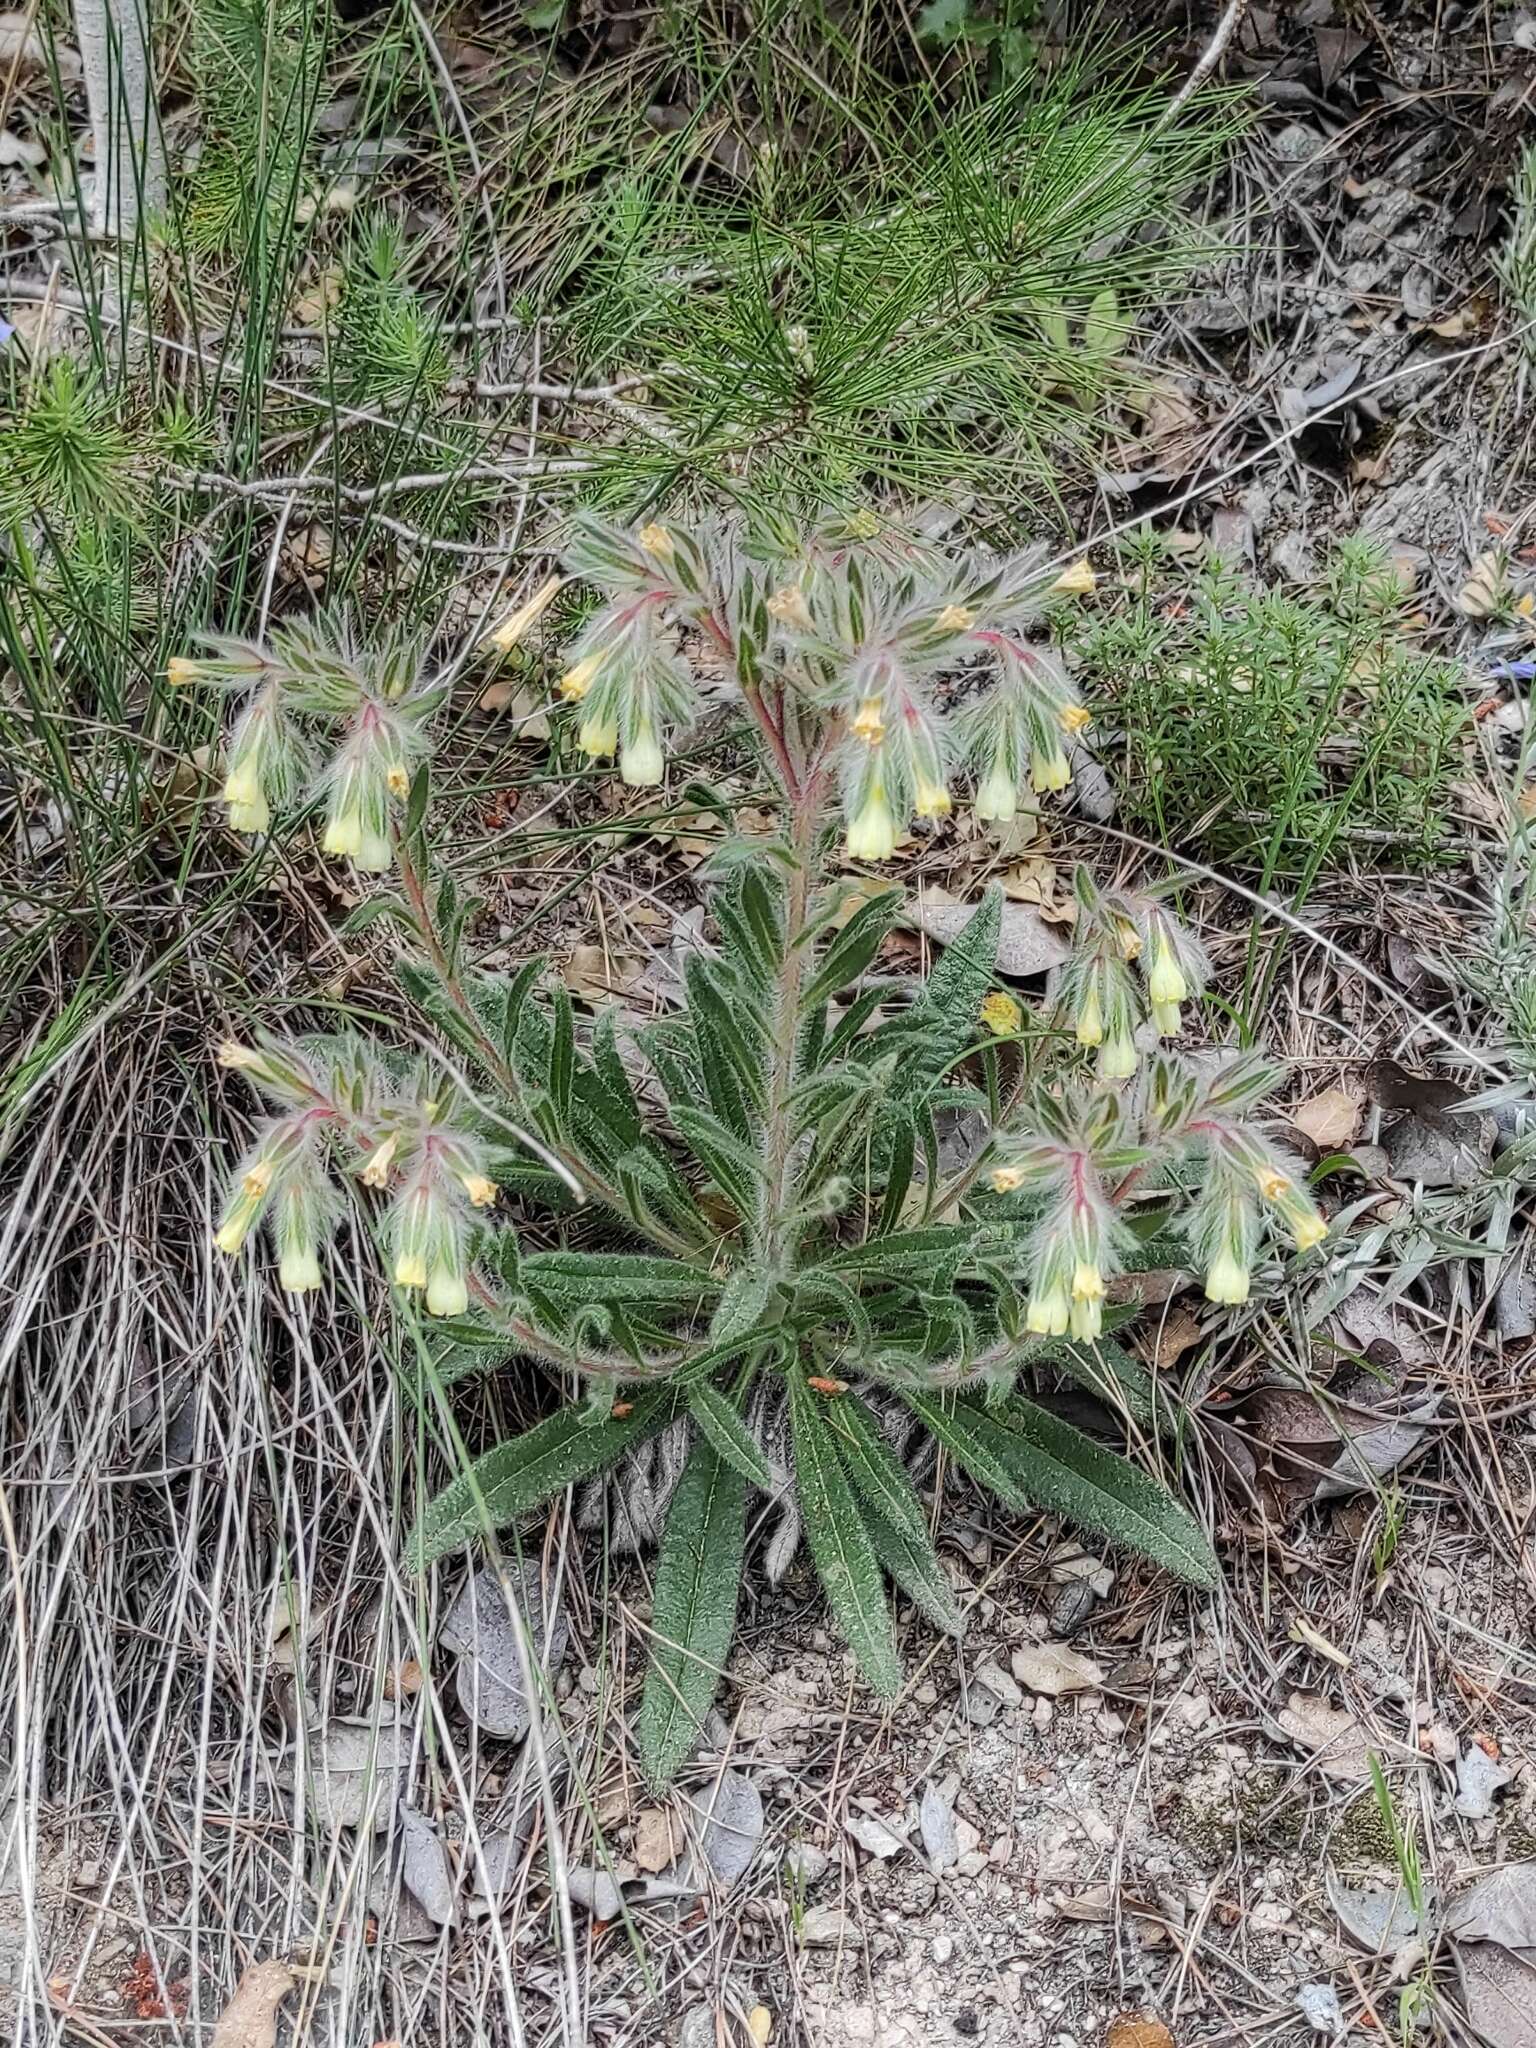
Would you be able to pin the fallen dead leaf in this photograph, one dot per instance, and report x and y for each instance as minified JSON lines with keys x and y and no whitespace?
{"x":1174,"y":1335}
{"x":1332,"y":1734}
{"x":1498,"y":1986}
{"x":657,"y":1839}
{"x":250,"y":2018}
{"x":1027,"y":945}
{"x":1053,"y":1668}
{"x":595,"y":975}
{"x":1137,"y":2033}
{"x":1500,"y":1906}
{"x":1330,"y":1119}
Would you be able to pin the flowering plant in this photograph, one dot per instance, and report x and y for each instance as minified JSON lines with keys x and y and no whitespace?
{"x":793,"y":1272}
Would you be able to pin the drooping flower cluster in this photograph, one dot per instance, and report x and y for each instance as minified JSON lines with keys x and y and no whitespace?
{"x":1132,"y":964}
{"x":407,"y":1139}
{"x":311,"y":679}
{"x":844,"y":645}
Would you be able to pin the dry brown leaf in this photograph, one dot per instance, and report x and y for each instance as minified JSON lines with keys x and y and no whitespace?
{"x":1137,"y":2033}
{"x":1332,"y":1734}
{"x":594,"y":975}
{"x":1173,"y":1337}
{"x":250,"y":2018}
{"x":1330,"y":1120}
{"x":1052,"y":1669}
{"x":657,"y":1839}
{"x":404,"y":1681}
{"x":760,"y":2025}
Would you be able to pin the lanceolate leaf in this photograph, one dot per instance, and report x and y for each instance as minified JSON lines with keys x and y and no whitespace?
{"x":850,"y":951}
{"x":1058,"y":1467}
{"x":878,"y":1475}
{"x":974,"y":1441}
{"x":916,"y":1569}
{"x":575,"y":1279}
{"x":526,"y":1471}
{"x":698,"y":1577}
{"x":840,"y":1542}
{"x":718,"y":1419}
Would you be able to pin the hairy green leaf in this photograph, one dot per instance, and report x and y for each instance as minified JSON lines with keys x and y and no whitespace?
{"x":698,"y":1577}
{"x":840,"y":1543}
{"x":878,"y":1475}
{"x":915,"y":1567}
{"x":525,"y":1471}
{"x":579,"y":1278}
{"x":718,"y":1419}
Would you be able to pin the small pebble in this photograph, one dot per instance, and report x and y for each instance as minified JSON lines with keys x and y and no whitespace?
{"x":943,"y":1947}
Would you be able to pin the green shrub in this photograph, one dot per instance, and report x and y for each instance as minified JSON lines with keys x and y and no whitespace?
{"x":1266,"y":729}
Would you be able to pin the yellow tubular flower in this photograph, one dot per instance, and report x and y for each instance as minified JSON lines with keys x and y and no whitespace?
{"x":1271,"y":1183}
{"x":1075,"y":717}
{"x":259,"y":1179}
{"x":598,"y":736}
{"x":410,"y":1270}
{"x":933,"y":800}
{"x":789,"y":607}
{"x":1307,"y":1227}
{"x":1050,"y":771}
{"x":1087,"y":1282}
{"x":298,"y":1269}
{"x":1166,"y":983}
{"x":997,"y":800}
{"x":511,"y":630}
{"x":181,"y":670}
{"x":481,"y":1192}
{"x":655,"y":540}
{"x":641,"y":764}
{"x":872,"y":833}
{"x":955,"y":619}
{"x":398,"y":780}
{"x":1005,"y":1179}
{"x":1078,"y":580}
{"x":576,"y":681}
{"x":377,"y":1167}
{"x":247,"y":800}
{"x":1226,"y":1279}
{"x":1087,"y":1318}
{"x":1168,"y":1019}
{"x":1129,"y":938}
{"x":343,"y":835}
{"x":240,"y":1059}
{"x":1117,"y":1061}
{"x":447,"y":1294}
{"x":1049,"y":1313}
{"x":1090,"y":1019}
{"x":1001,"y":1014}
{"x":869,"y":722}
{"x":235,"y":1229}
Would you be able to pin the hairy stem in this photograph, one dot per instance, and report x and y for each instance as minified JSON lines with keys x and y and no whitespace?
{"x":777,"y":1131}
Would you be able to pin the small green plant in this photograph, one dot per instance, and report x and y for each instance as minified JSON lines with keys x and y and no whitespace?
{"x":788,"y":1269}
{"x":1515,"y":262}
{"x":1265,"y":728}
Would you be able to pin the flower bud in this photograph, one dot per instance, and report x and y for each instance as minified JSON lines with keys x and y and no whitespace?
{"x":410,"y":1270}
{"x":1226,"y":1278}
{"x":1168,"y":1019}
{"x":237,"y":1222}
{"x":1166,"y":983}
{"x":1076,"y":580}
{"x":481,"y":1191}
{"x":872,"y":833}
{"x":1075,"y":717}
{"x":640,"y":763}
{"x":1308,"y":1227}
{"x":1090,"y":1018}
